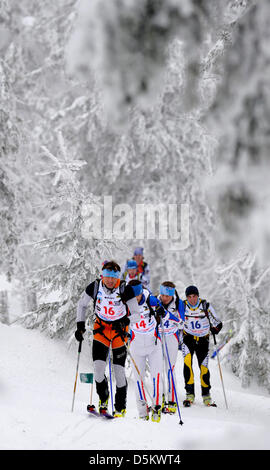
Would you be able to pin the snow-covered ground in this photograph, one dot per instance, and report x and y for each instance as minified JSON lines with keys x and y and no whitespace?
{"x":36,"y":388}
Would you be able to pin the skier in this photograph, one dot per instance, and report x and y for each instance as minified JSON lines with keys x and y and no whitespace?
{"x":172,"y":322}
{"x":131,"y":271}
{"x":112,"y":300}
{"x":200,"y":319}
{"x":142,"y":267}
{"x":145,"y":347}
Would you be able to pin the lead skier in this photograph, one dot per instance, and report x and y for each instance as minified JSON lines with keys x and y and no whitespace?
{"x":113,"y":300}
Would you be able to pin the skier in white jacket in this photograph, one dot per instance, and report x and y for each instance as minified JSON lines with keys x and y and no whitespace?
{"x":145,"y":346}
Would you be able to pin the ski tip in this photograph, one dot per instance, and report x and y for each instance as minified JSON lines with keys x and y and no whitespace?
{"x":106,"y":415}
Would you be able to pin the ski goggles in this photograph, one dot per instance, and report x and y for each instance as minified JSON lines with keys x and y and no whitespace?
{"x":111,"y":273}
{"x":165,"y":290}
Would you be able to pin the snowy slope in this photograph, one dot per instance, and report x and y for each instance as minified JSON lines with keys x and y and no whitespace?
{"x":36,"y":386}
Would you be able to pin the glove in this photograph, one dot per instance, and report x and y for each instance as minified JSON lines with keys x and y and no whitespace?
{"x":216,"y":329}
{"x":120,"y":326}
{"x":80,"y":330}
{"x":125,"y":321}
{"x":160,"y":311}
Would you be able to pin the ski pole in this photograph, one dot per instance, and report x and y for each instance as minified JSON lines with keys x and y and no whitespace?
{"x":163,"y":372}
{"x":167,"y":352}
{"x":110,"y":370}
{"x":220,"y":373}
{"x":205,"y":309}
{"x":91,"y":392}
{"x":77,"y":369}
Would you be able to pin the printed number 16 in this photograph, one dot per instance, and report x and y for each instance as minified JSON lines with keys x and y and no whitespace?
{"x":109,"y":311}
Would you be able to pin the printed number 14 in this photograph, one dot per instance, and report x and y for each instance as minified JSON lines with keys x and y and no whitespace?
{"x":141,"y":324}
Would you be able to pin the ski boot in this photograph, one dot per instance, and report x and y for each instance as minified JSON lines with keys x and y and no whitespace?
{"x":92,"y":409}
{"x":164,"y":404}
{"x":164,"y":407}
{"x":144,"y":418}
{"x":189,"y":400}
{"x":119,"y":414}
{"x":172,"y":407}
{"x":207,"y":400}
{"x":156,"y":414}
{"x":103,"y":406}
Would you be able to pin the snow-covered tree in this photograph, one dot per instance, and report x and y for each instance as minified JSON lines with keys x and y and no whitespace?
{"x":78,"y":258}
{"x":193,"y":130}
{"x":126,"y":42}
{"x":10,"y":141}
{"x":241,"y":283}
{"x":239,"y":117}
{"x":155,"y":161}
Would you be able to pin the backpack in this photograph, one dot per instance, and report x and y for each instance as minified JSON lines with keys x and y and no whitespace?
{"x":203,"y":303}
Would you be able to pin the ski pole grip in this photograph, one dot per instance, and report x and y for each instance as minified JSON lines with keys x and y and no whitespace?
{"x":214,"y":336}
{"x":80,"y":347}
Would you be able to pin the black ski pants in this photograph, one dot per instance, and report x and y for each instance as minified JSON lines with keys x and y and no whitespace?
{"x":199,"y":346}
{"x":100,"y":355}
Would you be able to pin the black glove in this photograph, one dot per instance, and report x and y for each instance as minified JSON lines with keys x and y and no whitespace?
{"x":125,"y":321}
{"x":120,"y":326}
{"x":80,"y":330}
{"x":160,"y":311}
{"x":216,"y":329}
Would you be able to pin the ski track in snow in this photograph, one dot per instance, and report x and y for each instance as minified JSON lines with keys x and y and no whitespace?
{"x":36,"y":388}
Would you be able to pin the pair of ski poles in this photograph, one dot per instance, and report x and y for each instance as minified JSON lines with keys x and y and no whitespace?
{"x":171,"y":371}
{"x":170,"y":365}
